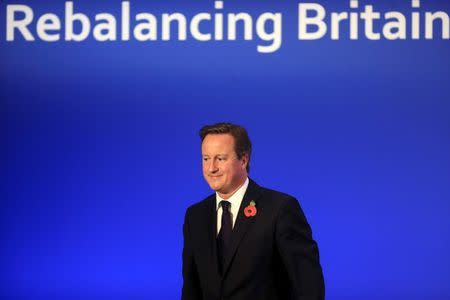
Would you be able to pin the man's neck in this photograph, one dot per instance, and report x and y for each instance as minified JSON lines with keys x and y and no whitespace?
{"x":228,"y":195}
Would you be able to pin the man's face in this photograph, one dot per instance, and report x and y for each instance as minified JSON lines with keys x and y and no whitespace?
{"x":222,"y":169}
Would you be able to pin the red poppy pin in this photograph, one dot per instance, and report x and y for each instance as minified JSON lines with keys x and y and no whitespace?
{"x":250,"y":210}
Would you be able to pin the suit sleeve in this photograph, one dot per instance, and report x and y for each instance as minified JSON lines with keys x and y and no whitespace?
{"x":191,"y":284}
{"x":299,"y":252}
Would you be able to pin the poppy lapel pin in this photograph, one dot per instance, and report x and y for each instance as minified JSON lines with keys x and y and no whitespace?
{"x":250,"y":210}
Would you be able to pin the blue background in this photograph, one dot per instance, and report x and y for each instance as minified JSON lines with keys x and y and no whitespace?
{"x":102,"y":154}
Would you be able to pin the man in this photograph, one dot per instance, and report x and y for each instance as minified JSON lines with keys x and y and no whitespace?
{"x":245,"y":241}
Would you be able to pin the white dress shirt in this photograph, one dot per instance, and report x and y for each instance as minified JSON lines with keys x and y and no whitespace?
{"x":235,"y":200}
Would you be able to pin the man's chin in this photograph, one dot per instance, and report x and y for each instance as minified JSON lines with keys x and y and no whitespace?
{"x":215,"y":187}
{"x":218,"y":189}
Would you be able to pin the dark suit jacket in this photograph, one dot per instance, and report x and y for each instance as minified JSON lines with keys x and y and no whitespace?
{"x":271,"y":255}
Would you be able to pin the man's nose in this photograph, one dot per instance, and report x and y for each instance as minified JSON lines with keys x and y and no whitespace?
{"x":213,"y":166}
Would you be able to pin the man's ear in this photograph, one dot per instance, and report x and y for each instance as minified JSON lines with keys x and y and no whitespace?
{"x":244,"y":160}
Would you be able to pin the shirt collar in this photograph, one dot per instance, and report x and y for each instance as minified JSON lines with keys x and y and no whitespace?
{"x":236,"y":198}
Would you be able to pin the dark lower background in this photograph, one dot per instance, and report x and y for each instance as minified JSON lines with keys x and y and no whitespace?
{"x":102,"y":157}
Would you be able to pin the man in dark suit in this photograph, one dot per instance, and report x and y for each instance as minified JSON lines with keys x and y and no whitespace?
{"x":245,"y":241}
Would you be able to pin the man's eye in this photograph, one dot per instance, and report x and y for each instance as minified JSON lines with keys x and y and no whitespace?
{"x":220,"y":158}
{"x":205,"y":158}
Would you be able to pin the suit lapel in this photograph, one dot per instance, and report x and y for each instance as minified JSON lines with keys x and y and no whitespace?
{"x":212,"y":233}
{"x":242,"y":223}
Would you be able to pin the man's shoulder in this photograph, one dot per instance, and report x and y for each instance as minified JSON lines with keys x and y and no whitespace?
{"x":270,"y":197}
{"x":270,"y":193}
{"x":282,"y":204}
{"x":201,"y":206}
{"x":276,"y":197}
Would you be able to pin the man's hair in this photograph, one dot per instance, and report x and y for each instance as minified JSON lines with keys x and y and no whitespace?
{"x":242,"y":143}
